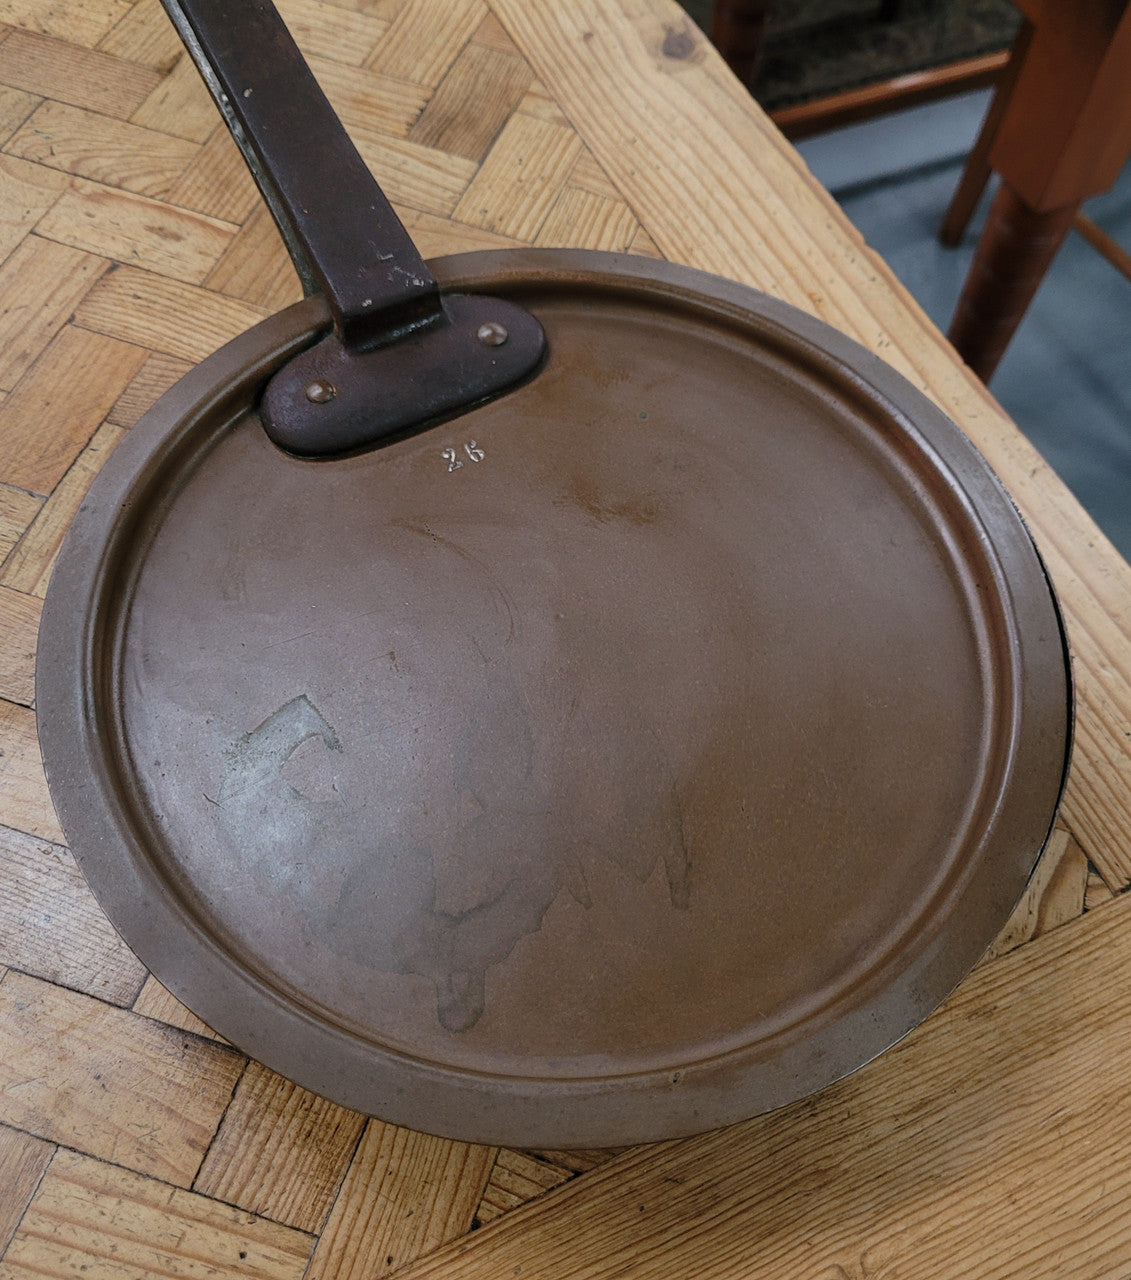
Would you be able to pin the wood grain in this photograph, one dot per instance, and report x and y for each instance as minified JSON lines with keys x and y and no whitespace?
{"x":643,"y":244}
{"x":217,"y":181}
{"x":420,"y":177}
{"x":151,"y":381}
{"x":280,"y":1151}
{"x":164,"y":315}
{"x":146,"y":233}
{"x":154,"y":1001}
{"x":920,"y":1164}
{"x":64,"y":72}
{"x":79,"y":142}
{"x":426,"y":38}
{"x":28,"y":567}
{"x":1096,"y":892}
{"x":146,"y":36}
{"x":17,"y":510}
{"x":435,"y":236}
{"x":473,"y":102}
{"x":56,"y":408}
{"x":340,"y":34}
{"x":661,"y":114}
{"x":583,"y":220}
{"x":580,"y":1160}
{"x":15,"y":107}
{"x":520,"y":179}
{"x":589,"y":176}
{"x":23,"y":1162}
{"x":991,"y":1141}
{"x":1055,"y":895}
{"x":404,"y":1195}
{"x":79,"y":22}
{"x":19,"y":626}
{"x":180,"y":105}
{"x":516,"y":1178}
{"x":492,"y":34}
{"x":51,"y":926}
{"x":540,"y":104}
{"x":41,"y":283}
{"x":107,"y":1082}
{"x":103,"y":1223}
{"x":25,"y":803}
{"x":1095,"y":800}
{"x":27,"y":192}
{"x":256,"y":266}
{"x":367,"y":103}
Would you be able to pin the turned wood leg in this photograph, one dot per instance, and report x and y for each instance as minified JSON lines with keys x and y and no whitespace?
{"x":738,"y":31}
{"x":1016,"y":249}
{"x":977,"y":171}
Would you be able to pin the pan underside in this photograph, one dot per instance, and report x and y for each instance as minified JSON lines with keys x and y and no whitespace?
{"x":637,"y":752}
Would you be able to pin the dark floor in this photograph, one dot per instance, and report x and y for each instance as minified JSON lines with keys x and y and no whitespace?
{"x":818,"y":47}
{"x":1066,"y":378}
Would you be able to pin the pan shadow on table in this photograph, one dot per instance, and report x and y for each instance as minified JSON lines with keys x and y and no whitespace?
{"x":1066,"y":378}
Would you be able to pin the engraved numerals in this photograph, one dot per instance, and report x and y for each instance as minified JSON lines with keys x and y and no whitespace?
{"x":452,"y":458}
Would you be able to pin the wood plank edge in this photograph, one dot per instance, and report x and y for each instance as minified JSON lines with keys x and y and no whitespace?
{"x":609,"y":1179}
{"x":48,"y":1156}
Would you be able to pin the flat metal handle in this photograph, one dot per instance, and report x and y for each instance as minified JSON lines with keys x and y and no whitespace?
{"x":347,"y":243}
{"x":350,"y":241}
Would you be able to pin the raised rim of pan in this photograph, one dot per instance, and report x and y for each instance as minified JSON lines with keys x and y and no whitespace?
{"x":90,"y":784}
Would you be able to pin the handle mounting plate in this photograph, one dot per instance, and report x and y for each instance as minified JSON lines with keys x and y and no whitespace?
{"x":330,"y":400}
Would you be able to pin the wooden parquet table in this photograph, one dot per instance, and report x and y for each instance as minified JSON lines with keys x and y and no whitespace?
{"x":994,"y":1141}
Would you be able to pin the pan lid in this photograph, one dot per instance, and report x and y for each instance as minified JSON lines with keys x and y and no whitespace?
{"x":637,"y":752}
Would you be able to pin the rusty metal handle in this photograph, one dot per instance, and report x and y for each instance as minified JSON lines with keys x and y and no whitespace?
{"x":351,"y":242}
{"x":401,"y":356}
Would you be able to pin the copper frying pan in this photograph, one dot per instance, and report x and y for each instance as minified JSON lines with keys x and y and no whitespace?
{"x":545,"y":698}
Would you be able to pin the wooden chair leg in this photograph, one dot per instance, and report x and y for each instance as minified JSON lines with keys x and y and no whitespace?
{"x":1016,"y":249}
{"x":977,"y":171}
{"x":1103,"y":244}
{"x":738,"y":31}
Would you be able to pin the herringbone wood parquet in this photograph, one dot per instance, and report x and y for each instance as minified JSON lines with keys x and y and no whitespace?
{"x":134,"y":1142}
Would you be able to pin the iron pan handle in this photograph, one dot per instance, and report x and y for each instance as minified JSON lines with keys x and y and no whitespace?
{"x":401,"y":356}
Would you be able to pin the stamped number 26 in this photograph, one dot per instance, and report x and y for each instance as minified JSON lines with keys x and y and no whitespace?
{"x":452,"y":458}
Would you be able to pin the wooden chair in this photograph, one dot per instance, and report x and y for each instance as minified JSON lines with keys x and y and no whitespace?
{"x":738,"y":31}
{"x":1058,"y":131}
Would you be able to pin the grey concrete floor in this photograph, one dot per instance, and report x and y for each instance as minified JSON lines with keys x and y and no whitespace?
{"x":1066,"y":378}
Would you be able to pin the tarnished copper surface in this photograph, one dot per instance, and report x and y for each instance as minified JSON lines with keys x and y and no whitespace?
{"x":638,"y":752}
